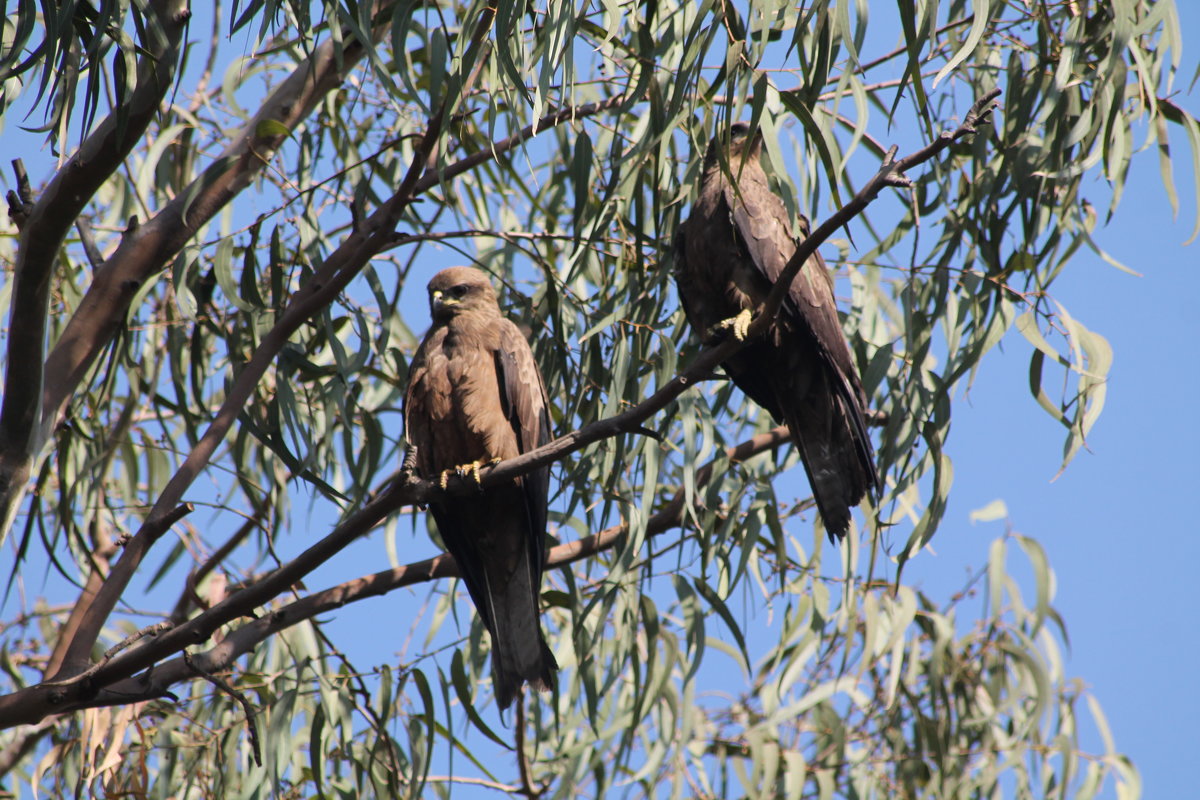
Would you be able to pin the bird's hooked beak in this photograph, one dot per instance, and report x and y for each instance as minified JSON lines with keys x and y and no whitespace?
{"x":439,"y":301}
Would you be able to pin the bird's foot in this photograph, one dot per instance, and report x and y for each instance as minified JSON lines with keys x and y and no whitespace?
{"x":740,"y":325}
{"x":409,"y":465}
{"x":466,"y":470}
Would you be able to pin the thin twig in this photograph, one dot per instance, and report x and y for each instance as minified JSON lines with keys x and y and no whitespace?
{"x":149,"y":630}
{"x":20,"y":202}
{"x":251,"y":725}
{"x":188,"y":596}
{"x":523,"y":770}
{"x":88,"y":240}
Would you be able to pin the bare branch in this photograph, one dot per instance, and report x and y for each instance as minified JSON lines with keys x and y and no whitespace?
{"x":128,"y":641}
{"x":24,"y":741}
{"x":251,"y":725}
{"x":523,"y":769}
{"x":88,"y":240}
{"x":20,"y":202}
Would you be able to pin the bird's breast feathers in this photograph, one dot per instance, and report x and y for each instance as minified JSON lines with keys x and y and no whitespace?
{"x":463,"y":401}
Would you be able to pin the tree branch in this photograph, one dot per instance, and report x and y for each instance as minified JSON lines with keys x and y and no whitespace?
{"x":156,"y":682}
{"x":44,"y":226}
{"x":24,"y":742}
{"x":146,"y":249}
{"x":220,"y":683}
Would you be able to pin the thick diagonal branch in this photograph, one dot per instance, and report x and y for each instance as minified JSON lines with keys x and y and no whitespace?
{"x":45,"y":225}
{"x":158,"y":681}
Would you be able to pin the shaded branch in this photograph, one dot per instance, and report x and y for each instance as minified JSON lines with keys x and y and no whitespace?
{"x":220,"y":683}
{"x":20,"y":201}
{"x":24,"y":742}
{"x":188,"y":596}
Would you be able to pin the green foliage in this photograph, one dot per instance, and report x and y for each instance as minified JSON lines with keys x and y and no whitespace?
{"x":739,"y":655}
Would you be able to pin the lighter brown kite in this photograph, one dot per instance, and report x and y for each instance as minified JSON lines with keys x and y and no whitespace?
{"x":475,"y":396}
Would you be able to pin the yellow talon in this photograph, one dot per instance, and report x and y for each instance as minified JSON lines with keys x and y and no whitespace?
{"x":740,"y":325}
{"x":467,"y":470}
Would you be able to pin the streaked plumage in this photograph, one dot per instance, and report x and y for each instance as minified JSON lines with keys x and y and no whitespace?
{"x":475,"y":395}
{"x":728,"y":253}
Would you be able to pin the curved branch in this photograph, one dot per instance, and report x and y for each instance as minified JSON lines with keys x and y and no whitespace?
{"x":43,"y":227}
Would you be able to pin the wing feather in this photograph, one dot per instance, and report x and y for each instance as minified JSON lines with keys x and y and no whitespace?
{"x":523,"y":398}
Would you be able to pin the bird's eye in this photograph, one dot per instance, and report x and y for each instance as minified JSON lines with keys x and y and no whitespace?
{"x":458,"y":291}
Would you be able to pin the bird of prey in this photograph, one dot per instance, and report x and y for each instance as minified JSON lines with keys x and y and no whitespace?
{"x":475,"y":396}
{"x":728,"y":254}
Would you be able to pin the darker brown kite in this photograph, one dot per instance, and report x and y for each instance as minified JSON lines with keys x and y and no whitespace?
{"x":475,"y":396}
{"x":728,"y":254}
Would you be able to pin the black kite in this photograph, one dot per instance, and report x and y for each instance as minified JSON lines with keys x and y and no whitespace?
{"x":475,"y":396}
{"x":728,"y":254}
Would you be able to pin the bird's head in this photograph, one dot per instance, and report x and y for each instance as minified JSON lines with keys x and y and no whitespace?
{"x":458,"y":289}
{"x":738,"y":145}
